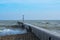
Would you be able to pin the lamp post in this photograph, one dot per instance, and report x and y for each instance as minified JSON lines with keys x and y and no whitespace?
{"x":23,"y":18}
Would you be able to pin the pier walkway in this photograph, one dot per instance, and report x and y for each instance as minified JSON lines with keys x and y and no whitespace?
{"x":27,"y":36}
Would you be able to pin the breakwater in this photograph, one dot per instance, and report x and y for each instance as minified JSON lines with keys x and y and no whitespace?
{"x":42,"y":33}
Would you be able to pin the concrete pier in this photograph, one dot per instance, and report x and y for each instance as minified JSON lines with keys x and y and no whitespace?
{"x":18,"y":32}
{"x":41,"y":33}
{"x":33,"y":33}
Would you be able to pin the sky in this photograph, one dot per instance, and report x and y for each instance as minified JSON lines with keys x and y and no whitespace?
{"x":31,"y":9}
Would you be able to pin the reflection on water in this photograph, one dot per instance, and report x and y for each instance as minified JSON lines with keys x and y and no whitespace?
{"x":6,"y":31}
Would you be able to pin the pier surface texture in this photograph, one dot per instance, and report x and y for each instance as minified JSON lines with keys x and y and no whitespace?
{"x":27,"y":36}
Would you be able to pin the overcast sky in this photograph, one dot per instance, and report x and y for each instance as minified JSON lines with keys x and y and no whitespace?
{"x":32,"y":9}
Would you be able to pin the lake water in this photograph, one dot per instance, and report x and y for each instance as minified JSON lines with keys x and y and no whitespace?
{"x":10,"y":31}
{"x":51,"y":25}
{"x":5,"y":31}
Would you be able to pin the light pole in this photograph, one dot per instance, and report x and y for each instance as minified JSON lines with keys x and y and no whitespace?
{"x":23,"y":18}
